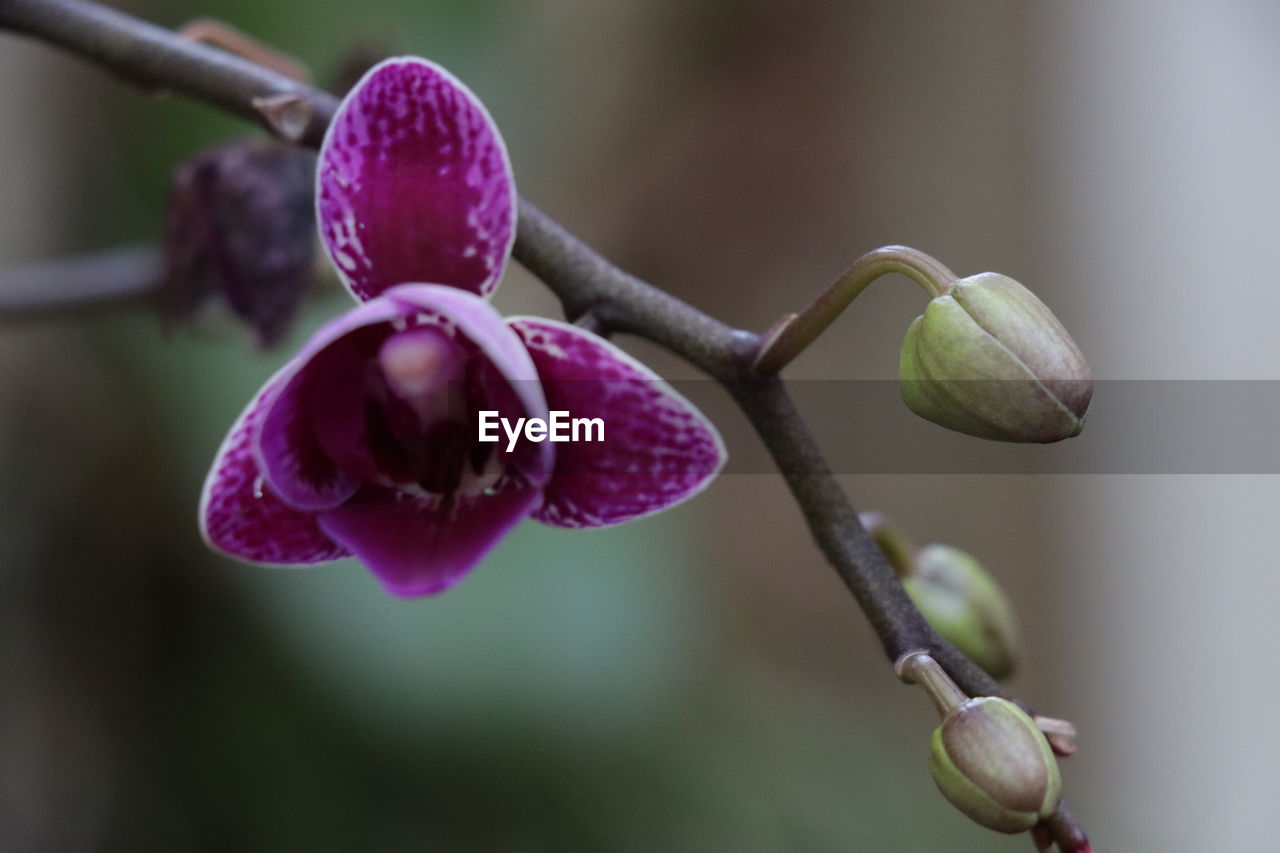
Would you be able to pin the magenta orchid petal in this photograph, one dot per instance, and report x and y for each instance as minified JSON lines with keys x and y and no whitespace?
{"x":658,"y":449}
{"x":415,"y":546}
{"x":289,"y":449}
{"x":414,"y":183}
{"x":241,"y":516}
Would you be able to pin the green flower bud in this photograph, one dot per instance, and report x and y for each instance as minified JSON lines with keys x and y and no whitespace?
{"x":989,"y":759}
{"x":964,"y":604}
{"x":955,"y":594}
{"x":988,"y":359}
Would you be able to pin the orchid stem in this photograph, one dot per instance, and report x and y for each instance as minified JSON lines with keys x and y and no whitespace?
{"x":793,"y":333}
{"x":92,"y":280}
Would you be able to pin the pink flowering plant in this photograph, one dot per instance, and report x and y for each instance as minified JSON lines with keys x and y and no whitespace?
{"x":366,"y":443}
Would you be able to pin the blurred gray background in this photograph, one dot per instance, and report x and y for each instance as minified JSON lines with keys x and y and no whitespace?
{"x":700,"y":680}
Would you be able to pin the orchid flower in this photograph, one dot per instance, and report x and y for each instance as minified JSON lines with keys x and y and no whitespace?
{"x":366,"y":442}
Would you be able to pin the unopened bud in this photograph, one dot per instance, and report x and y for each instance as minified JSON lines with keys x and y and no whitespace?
{"x":962,"y":602}
{"x":988,"y":359}
{"x":955,"y":594}
{"x":989,"y":759}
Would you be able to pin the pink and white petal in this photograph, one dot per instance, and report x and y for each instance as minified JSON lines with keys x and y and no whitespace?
{"x":414,"y":183}
{"x":239,"y":514}
{"x":420,"y":546}
{"x":288,"y":446}
{"x":479,"y":322}
{"x":658,"y":449}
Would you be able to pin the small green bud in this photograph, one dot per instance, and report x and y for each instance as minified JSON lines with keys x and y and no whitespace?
{"x":963,"y":603}
{"x":989,"y":759}
{"x":988,"y":359}
{"x":955,"y":594}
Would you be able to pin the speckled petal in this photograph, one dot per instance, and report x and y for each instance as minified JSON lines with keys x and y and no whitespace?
{"x":241,"y":516}
{"x":658,"y":449}
{"x":414,"y":183}
{"x":415,"y":546}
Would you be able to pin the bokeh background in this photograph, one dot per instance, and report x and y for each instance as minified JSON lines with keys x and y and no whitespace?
{"x":701,"y":680}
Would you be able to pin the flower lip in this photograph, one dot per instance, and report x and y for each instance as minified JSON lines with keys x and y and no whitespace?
{"x":476,"y":321}
{"x":335,"y":422}
{"x":414,"y":183}
{"x":415,"y":419}
{"x":416,"y":395}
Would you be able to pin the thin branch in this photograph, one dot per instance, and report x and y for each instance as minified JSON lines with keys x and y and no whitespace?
{"x":584,"y":281}
{"x":81,"y":282}
{"x":160,"y":60}
{"x":848,"y":547}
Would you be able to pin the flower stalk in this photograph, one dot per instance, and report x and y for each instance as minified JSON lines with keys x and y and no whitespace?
{"x":793,"y":333}
{"x":920,"y":668}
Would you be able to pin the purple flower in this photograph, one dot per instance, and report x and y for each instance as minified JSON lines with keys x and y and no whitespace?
{"x":367,"y":443}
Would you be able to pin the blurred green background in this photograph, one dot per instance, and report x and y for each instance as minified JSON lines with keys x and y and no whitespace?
{"x":700,"y":680}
